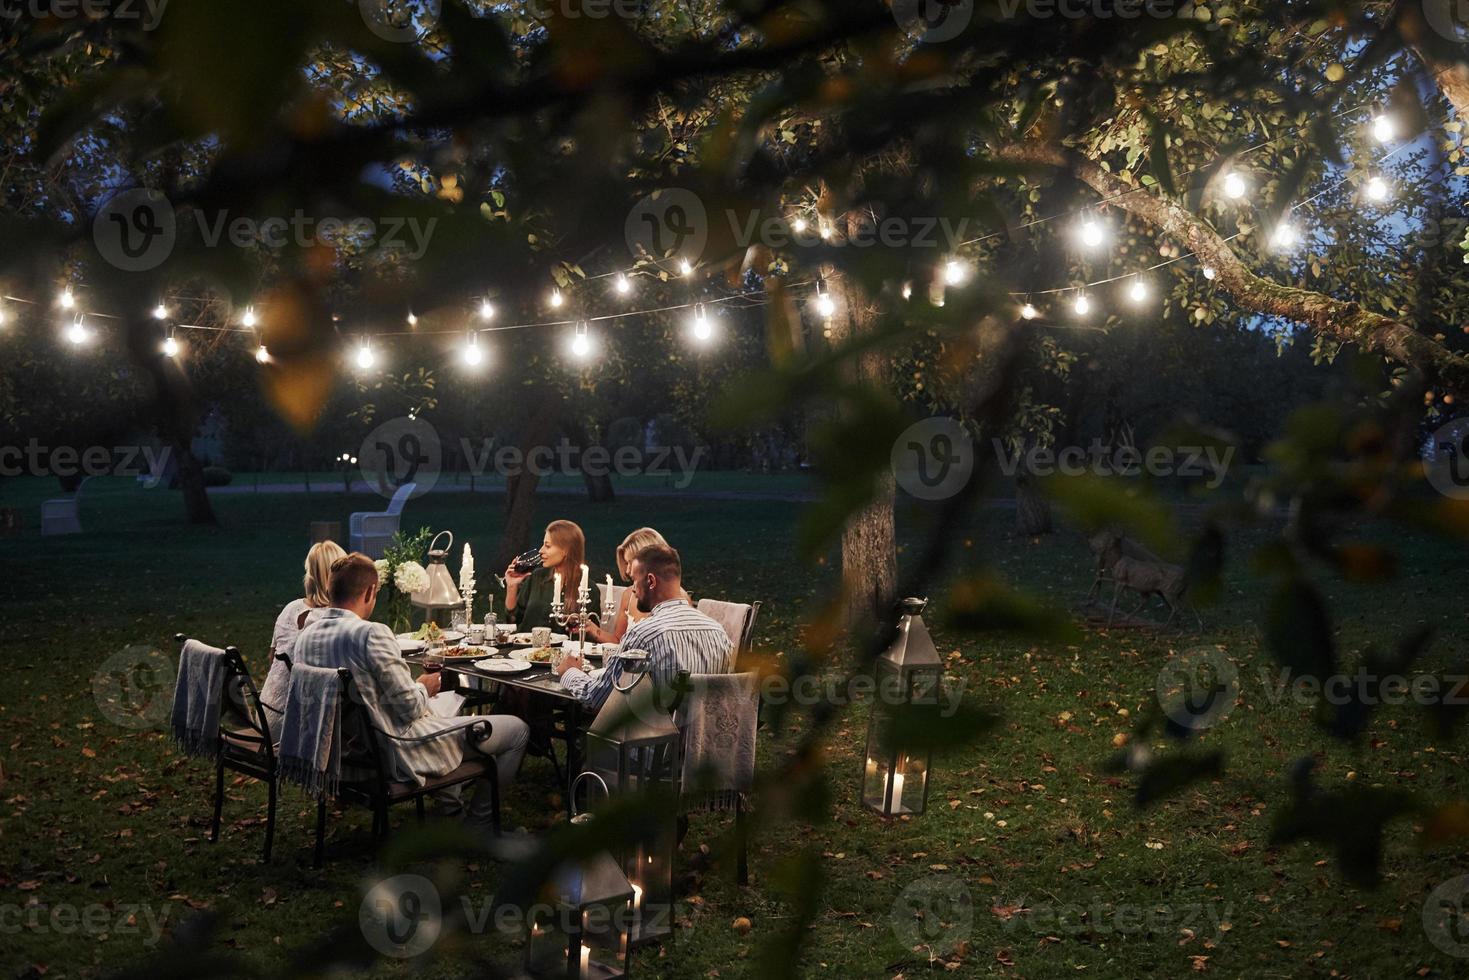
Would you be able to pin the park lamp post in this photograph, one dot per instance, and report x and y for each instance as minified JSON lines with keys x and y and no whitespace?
{"x":633,"y":746}
{"x":895,"y":778}
{"x":585,"y":934}
{"x":442,"y":595}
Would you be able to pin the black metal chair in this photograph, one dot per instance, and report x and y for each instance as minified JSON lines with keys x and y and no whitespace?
{"x":245,"y":743}
{"x":365,"y":780}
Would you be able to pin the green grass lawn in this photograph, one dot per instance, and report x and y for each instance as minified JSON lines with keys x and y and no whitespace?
{"x":1063,"y":874}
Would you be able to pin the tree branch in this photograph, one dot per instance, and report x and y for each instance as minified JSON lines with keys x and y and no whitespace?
{"x":1324,"y":314}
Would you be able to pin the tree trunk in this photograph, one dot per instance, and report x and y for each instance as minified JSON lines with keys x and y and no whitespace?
{"x":599,"y":485}
{"x":176,"y":416}
{"x":520,"y":487}
{"x":1032,"y":509}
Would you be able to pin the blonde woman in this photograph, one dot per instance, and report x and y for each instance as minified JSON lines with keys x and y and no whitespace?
{"x":627,"y":607}
{"x":291,"y":620}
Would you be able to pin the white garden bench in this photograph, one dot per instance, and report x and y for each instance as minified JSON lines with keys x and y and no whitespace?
{"x":63,"y":515}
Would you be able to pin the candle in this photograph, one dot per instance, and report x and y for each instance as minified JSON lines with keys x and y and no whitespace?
{"x":897,"y":791}
{"x":556,"y":593}
{"x":584,"y":584}
{"x":586,"y":960}
{"x":466,"y":570}
{"x":637,"y":898}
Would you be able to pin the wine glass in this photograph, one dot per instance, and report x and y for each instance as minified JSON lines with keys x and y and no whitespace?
{"x":433,"y":657}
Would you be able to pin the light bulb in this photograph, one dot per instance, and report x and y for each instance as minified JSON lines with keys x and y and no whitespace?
{"x":1235,"y":186}
{"x":1284,"y":235}
{"x":685,"y":267}
{"x":1209,"y":273}
{"x":1029,"y":312}
{"x":557,"y":299}
{"x":1378,"y":189}
{"x":1091,"y":233}
{"x":170,"y":347}
{"x":623,"y":285}
{"x":486,"y":310}
{"x":907,"y":290}
{"x":954,"y":272}
{"x":825,"y":232}
{"x":581,"y":343}
{"x":3,"y":316}
{"x":1083,"y":305}
{"x":412,"y":319}
{"x":473,"y":356}
{"x":262,"y":356}
{"x":249,"y":318}
{"x":825,"y":305}
{"x":1139,"y":291}
{"x":1384,"y":129}
{"x":799,"y":226}
{"x":66,"y":300}
{"x":77,"y":333}
{"x":365,"y":357}
{"x":160,"y":312}
{"x":702,"y":328}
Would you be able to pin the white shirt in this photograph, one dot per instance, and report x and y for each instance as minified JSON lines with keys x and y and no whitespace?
{"x":676,"y":636}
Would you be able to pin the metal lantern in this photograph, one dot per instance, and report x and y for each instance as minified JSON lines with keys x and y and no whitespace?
{"x":633,"y":746}
{"x":582,"y":934}
{"x":895,"y":779}
{"x":442,"y":596}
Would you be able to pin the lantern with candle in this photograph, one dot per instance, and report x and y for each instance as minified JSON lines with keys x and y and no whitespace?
{"x":633,"y":746}
{"x":895,"y":778}
{"x":582,"y":933}
{"x":441,"y":598}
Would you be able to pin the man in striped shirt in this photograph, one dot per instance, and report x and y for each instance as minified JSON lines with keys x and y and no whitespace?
{"x":340,"y":635}
{"x":676,"y":636}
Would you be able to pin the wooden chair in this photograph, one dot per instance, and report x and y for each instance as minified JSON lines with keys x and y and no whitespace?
{"x":245,"y":745}
{"x":62,"y":515}
{"x":372,"y":531}
{"x":365,"y":750}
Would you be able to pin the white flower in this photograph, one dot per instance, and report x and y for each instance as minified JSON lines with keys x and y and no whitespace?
{"x":411,"y":577}
{"x":382,"y":571}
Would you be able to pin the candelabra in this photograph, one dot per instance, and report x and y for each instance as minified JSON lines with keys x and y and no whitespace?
{"x":580,"y":615}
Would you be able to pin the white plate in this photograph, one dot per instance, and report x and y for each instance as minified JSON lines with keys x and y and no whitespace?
{"x":408,"y":644}
{"x":475,"y":651}
{"x":524,"y":639}
{"x":451,"y":636}
{"x":502,"y":666}
{"x":589,"y":650}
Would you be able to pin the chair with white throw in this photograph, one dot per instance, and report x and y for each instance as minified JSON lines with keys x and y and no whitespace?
{"x":719,"y":717}
{"x":372,"y":531}
{"x":738,"y":620}
{"x":63,"y":515}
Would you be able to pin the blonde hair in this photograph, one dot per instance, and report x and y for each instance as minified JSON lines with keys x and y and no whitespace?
{"x":317,"y":582}
{"x":569,"y":538}
{"x":643,"y":537}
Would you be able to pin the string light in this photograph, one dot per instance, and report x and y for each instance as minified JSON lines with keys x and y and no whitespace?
{"x":824,"y":231}
{"x":262,"y":356}
{"x":685,"y":267}
{"x":1210,"y":272}
{"x":955,"y":272}
{"x":77,"y":333}
{"x":1235,"y":186}
{"x":473,"y":356}
{"x":1138,"y":292}
{"x":557,"y":299}
{"x":1285,"y":235}
{"x":581,"y":341}
{"x":1378,"y":190}
{"x":1083,"y":305}
{"x":1091,"y":233}
{"x":799,"y":226}
{"x":160,"y":312}
{"x":486,"y":310}
{"x":249,"y":319}
{"x":3,"y":316}
{"x":622,"y":284}
{"x":365,"y":356}
{"x":170,"y":345}
{"x":825,"y":305}
{"x":701,"y":328}
{"x":1029,"y":312}
{"x":1384,"y":129}
{"x":412,"y":319}
{"x":907,"y":290}
{"x":66,"y":300}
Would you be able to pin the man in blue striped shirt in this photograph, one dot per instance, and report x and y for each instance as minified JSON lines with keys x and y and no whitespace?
{"x":676,"y":636}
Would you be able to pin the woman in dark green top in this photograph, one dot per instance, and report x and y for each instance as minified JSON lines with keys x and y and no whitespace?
{"x":528,"y":595}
